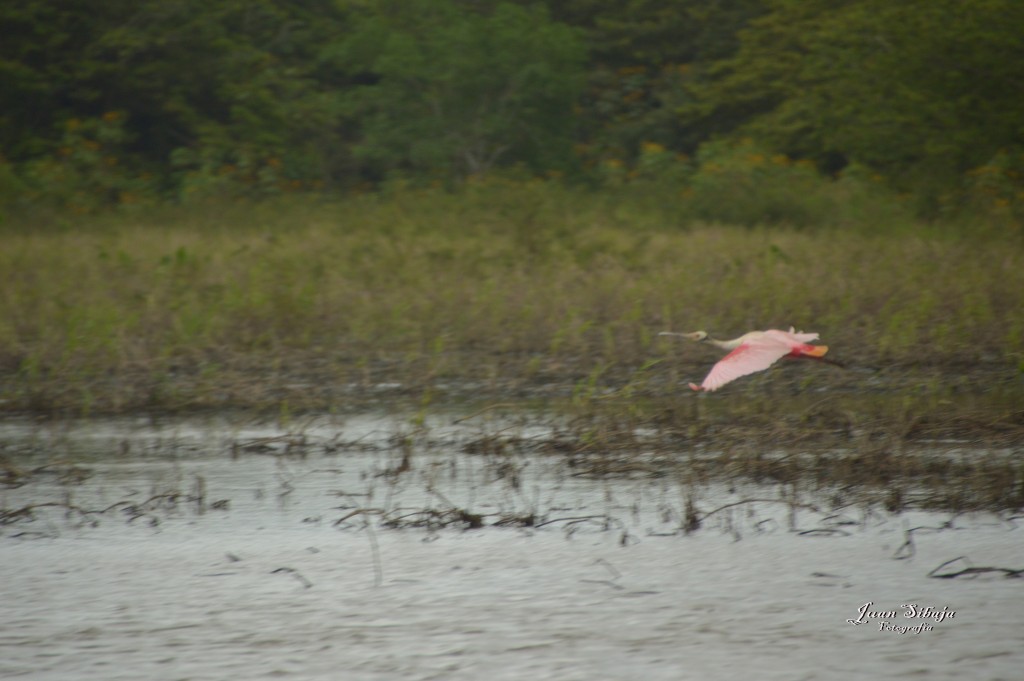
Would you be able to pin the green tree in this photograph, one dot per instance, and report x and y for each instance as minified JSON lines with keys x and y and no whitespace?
{"x":43,"y":59}
{"x":459,"y":90}
{"x":921,"y":92}
{"x":645,"y":56}
{"x":228,"y":90}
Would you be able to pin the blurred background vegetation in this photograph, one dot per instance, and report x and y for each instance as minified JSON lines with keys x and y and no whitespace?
{"x":295,"y":202}
{"x":740,"y":111}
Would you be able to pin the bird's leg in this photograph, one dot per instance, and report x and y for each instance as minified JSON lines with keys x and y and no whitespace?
{"x":829,"y":360}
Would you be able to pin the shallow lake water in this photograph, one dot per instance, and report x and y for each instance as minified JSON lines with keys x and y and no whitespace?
{"x":224,"y":549}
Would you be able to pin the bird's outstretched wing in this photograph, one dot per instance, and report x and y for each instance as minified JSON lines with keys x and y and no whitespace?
{"x":748,"y":358}
{"x":792,"y":335}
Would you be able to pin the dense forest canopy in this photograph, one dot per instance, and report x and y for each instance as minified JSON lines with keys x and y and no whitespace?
{"x":132,"y":101}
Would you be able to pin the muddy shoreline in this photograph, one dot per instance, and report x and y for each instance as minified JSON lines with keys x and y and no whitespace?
{"x":929,"y":400}
{"x":919,"y":436}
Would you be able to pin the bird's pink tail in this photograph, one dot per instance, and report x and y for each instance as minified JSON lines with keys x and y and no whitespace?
{"x":694,"y":386}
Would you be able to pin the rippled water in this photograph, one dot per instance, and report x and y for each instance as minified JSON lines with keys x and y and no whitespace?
{"x":213,"y":549}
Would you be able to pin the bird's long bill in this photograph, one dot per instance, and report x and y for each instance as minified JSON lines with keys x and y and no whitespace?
{"x":815,"y":350}
{"x":692,"y":336}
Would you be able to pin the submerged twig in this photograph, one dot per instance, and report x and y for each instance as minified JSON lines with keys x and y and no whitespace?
{"x":294,"y":573}
{"x":378,"y":567}
{"x":790,"y":503}
{"x":973,"y":571}
{"x":486,"y":409}
{"x":576,"y":519}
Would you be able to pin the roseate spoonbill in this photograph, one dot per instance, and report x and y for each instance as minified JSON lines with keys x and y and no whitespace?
{"x":753,"y":352}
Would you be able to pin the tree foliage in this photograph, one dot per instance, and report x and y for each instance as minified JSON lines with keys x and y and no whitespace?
{"x":456,"y":91}
{"x":117,"y":101}
{"x":921,"y":92}
{"x":205,"y":89}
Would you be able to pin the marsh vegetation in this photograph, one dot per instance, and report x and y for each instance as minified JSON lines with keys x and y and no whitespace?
{"x":536,"y":298}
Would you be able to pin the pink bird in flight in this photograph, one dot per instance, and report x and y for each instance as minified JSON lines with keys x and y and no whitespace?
{"x":752,"y":352}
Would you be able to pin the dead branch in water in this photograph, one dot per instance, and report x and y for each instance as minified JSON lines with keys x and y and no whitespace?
{"x":973,"y":571}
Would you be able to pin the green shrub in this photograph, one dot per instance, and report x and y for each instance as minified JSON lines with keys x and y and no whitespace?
{"x":88,"y":172}
{"x":739,"y":183}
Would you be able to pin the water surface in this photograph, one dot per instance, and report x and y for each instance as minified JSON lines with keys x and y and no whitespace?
{"x":220,"y":548}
